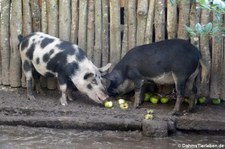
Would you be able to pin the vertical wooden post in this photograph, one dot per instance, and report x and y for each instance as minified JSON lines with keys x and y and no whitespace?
{"x":105,"y":32}
{"x":5,"y":46}
{"x":194,"y":18}
{"x":142,"y":11}
{"x":184,"y":9}
{"x":36,"y":15}
{"x":15,"y":30}
{"x":132,"y":4}
{"x":159,"y":20}
{"x":149,"y":24}
{"x":74,"y":21}
{"x":125,"y":29}
{"x":64,"y":19}
{"x":171,"y":19}
{"x":82,"y":31}
{"x":98,"y":33}
{"x":115,"y":31}
{"x":52,"y":6}
{"x":44,"y":16}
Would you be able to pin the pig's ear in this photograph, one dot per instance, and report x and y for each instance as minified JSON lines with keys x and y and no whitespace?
{"x":105,"y":68}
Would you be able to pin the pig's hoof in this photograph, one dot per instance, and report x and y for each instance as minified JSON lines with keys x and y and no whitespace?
{"x":63,"y":102}
{"x":31,"y":97}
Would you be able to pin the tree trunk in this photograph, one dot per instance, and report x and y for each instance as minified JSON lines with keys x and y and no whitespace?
{"x":5,"y":45}
{"x":98,"y":33}
{"x":115,"y":32}
{"x":15,"y":30}
{"x":142,"y":11}
{"x":171,"y":19}
{"x":64,"y":19}
{"x":149,"y":24}
{"x":52,"y":6}
{"x":160,"y":20}
{"x":131,"y":23}
{"x":82,"y":31}
{"x":205,"y":51}
{"x":216,"y":79}
{"x":74,"y":21}
{"x":105,"y":32}
{"x":184,"y":9}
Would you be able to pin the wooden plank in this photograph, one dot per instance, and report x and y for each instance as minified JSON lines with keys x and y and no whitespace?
{"x":44,"y":17}
{"x":222,"y":96}
{"x":74,"y":21}
{"x":132,"y":4}
{"x":15,"y":30}
{"x":125,"y":30}
{"x":205,"y":51}
{"x":194,"y":18}
{"x":5,"y":45}
{"x":98,"y":33}
{"x":105,"y":32}
{"x":115,"y":32}
{"x":64,"y":19}
{"x":91,"y":29}
{"x":142,"y":11}
{"x":52,"y":6}
{"x":171,"y":19}
{"x":149,"y":24}
{"x":36,"y":15}
{"x":159,"y":20}
{"x":184,"y":10}
{"x":82,"y":31}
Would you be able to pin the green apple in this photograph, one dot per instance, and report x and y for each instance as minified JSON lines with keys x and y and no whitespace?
{"x":148,"y":116}
{"x":154,"y":100}
{"x":201,"y":100}
{"x":121,"y":101}
{"x":150,"y":111}
{"x":124,"y":106}
{"x":108,"y":104}
{"x":147,"y":97}
{"x":164,"y":100}
{"x":216,"y":101}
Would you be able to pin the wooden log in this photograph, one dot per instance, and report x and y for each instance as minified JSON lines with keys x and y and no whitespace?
{"x":142,"y":11}
{"x":15,"y":30}
{"x":205,"y":51}
{"x":194,"y":18}
{"x":44,"y":16}
{"x":105,"y":32}
{"x":132,"y":4}
{"x":159,"y":20}
{"x":82,"y":31}
{"x":125,"y":28}
{"x":223,"y":70}
{"x":91,"y":29}
{"x":64,"y":19}
{"x":98,"y":33}
{"x":216,"y":79}
{"x":171,"y":19}
{"x":36,"y":15}
{"x":149,"y":24}
{"x":74,"y":21}
{"x":115,"y":32}
{"x":184,"y":10}
{"x":5,"y":45}
{"x":52,"y":6}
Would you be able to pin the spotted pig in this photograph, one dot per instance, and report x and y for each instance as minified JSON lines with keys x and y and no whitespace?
{"x":50,"y":56}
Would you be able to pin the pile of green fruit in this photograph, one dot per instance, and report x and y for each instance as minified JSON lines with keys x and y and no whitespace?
{"x":122,"y":104}
{"x":154,"y":99}
{"x":149,"y":115}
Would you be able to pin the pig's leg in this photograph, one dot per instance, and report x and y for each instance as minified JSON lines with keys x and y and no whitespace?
{"x":27,"y":69}
{"x":180,"y":88}
{"x":191,"y":90}
{"x":37,"y":83}
{"x":63,"y":87}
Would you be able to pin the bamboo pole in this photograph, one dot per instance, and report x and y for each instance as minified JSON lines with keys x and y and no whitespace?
{"x":64,"y":19}
{"x":115,"y":32}
{"x":159,"y":20}
{"x":142,"y":11}
{"x":105,"y":32}
{"x":171,"y":19}
{"x":15,"y":30}
{"x":74,"y":21}
{"x":98,"y":33}
{"x":149,"y":24}
{"x":5,"y":45}
{"x":82,"y":31}
{"x":131,"y":23}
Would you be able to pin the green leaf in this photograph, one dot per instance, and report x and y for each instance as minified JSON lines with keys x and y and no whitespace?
{"x":198,"y":28}
{"x":208,"y":27}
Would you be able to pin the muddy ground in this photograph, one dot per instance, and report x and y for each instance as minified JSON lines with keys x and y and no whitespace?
{"x":46,"y":111}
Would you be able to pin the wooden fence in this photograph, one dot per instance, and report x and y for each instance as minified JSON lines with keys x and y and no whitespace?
{"x":106,"y":30}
